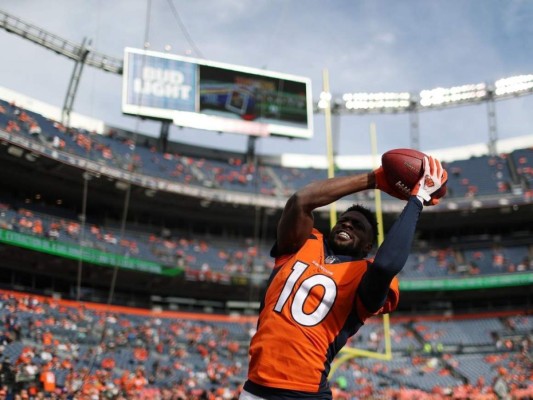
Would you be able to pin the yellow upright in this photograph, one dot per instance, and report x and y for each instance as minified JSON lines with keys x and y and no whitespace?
{"x":348,"y":353}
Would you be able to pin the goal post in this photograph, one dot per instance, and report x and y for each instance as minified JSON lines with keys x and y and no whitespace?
{"x":347,"y":353}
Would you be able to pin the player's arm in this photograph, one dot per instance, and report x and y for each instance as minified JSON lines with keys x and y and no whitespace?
{"x":393,"y":252}
{"x":390,"y":257}
{"x":296,"y":221}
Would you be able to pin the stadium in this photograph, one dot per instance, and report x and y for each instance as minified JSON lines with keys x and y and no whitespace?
{"x":133,"y":266}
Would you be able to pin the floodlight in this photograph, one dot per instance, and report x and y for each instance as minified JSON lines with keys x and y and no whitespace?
{"x":325,"y":98}
{"x":120,"y":185}
{"x":377,"y":101}
{"x":513,"y":84}
{"x":503,"y":202}
{"x":457,"y":94}
{"x":15,"y":151}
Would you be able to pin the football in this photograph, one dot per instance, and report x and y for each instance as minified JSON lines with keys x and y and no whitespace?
{"x":403,"y":169}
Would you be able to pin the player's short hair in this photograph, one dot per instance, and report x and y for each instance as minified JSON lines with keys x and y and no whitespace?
{"x":369,"y":215}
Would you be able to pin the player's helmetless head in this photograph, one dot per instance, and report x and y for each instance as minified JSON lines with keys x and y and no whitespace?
{"x":354,"y":233}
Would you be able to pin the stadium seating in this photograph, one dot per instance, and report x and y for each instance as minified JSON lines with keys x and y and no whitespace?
{"x":474,"y":177}
{"x":225,"y":258}
{"x":478,"y":176}
{"x":192,"y":352}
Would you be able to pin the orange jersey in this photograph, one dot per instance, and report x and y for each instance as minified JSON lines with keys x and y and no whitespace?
{"x":48,"y":379}
{"x":310,"y":310}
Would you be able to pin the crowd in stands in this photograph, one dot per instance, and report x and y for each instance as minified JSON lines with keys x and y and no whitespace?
{"x":486,"y":258}
{"x":215,"y":259}
{"x":478,"y":176}
{"x":72,"y":351}
{"x":52,"y":348}
{"x":203,"y":258}
{"x":218,"y":260}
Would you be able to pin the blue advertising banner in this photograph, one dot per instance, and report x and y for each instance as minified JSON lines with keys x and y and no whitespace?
{"x":161,"y":83}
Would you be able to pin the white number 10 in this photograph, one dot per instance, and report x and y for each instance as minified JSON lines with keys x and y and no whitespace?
{"x":297,"y":308}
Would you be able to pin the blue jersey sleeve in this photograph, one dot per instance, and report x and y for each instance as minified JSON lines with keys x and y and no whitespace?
{"x":390,"y":257}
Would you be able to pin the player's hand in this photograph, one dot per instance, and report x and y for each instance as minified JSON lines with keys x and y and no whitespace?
{"x":433,"y":178}
{"x":383,"y":185}
{"x":434,"y":201}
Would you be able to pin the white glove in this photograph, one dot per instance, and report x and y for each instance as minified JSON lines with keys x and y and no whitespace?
{"x":431,"y":180}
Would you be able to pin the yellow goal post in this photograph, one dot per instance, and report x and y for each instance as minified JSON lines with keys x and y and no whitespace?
{"x":347,"y":353}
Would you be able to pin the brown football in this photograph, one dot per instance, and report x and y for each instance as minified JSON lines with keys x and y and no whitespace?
{"x":403,"y":169}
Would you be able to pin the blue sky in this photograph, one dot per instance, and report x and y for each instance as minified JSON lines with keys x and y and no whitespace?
{"x":366,"y":45}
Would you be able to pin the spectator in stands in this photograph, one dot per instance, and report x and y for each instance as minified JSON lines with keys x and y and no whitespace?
{"x":525,"y":265}
{"x":12,"y":126}
{"x":323,"y":289}
{"x":7,"y":373}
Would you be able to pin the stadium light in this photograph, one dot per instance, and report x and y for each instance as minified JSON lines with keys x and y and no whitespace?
{"x":324,"y":100}
{"x":150,"y":192}
{"x":120,"y":185}
{"x":503,"y":202}
{"x":31,"y":157}
{"x":513,"y":85}
{"x":15,"y":151}
{"x":454,"y":95}
{"x":377,"y":101}
{"x":476,"y":204}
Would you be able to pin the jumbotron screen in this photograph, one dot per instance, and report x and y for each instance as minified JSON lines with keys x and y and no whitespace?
{"x":215,"y":96}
